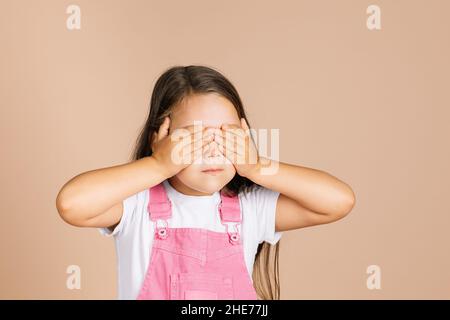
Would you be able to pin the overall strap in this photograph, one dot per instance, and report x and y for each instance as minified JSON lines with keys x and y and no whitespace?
{"x":229,"y":208}
{"x":159,"y":205}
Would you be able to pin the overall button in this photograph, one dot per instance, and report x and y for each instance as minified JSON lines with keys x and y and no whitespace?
{"x":234,"y":238}
{"x":162,"y":233}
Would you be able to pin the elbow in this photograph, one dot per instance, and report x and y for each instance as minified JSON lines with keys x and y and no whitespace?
{"x":63,"y":207}
{"x":345,"y":206}
{"x":66,"y":210}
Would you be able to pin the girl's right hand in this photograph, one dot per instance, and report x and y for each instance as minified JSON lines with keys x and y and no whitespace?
{"x":174,"y":152}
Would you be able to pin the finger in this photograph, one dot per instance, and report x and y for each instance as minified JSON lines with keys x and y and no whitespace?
{"x":214,"y":144}
{"x":195,"y":146}
{"x":206,"y":150}
{"x":244,"y":137}
{"x":186,"y":131}
{"x":192,"y":134}
{"x":228,"y":152}
{"x":213,"y":130}
{"x":186,"y":145}
{"x":193,"y":128}
{"x":234,"y":157}
{"x":232,"y":139}
{"x":225,"y":143}
{"x":236,"y":130}
{"x":221,"y":148}
{"x":200,"y":143}
{"x":237,"y":143}
{"x":216,"y":132}
{"x":229,"y":126}
{"x":237,"y":151}
{"x":214,"y":148}
{"x":197,"y":152}
{"x":186,"y":138}
{"x":164,"y":128}
{"x":239,"y":132}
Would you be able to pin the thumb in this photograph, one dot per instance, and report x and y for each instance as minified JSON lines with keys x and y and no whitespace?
{"x":164,"y":128}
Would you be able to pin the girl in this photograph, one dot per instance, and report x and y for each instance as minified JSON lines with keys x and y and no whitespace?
{"x":194,"y":215}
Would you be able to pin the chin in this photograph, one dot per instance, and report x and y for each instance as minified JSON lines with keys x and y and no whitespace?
{"x":204,"y":182}
{"x":210,"y":188}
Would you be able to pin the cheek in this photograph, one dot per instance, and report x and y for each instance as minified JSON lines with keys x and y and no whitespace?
{"x":188,"y":173}
{"x":229,"y":171}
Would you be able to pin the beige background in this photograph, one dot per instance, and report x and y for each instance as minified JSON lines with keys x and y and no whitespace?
{"x":370,"y":107}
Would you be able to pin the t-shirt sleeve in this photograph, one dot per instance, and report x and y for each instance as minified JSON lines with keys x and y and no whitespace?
{"x":266,"y":205}
{"x":129,"y":207}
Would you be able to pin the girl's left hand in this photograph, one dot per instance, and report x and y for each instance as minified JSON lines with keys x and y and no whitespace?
{"x":236,"y":144}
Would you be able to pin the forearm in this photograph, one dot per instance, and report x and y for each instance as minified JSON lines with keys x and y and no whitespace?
{"x":313,"y":189}
{"x":91,"y":193}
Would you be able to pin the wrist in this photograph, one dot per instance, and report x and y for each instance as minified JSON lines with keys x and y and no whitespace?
{"x":254,"y":170}
{"x":159,"y":168}
{"x":256,"y":173}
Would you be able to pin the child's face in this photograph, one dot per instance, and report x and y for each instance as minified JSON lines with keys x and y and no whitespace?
{"x":212,"y":110}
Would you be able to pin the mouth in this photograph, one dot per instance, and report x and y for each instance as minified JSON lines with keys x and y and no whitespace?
{"x":212,"y":171}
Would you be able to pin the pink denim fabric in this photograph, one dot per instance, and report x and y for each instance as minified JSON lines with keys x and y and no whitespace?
{"x":195,"y":263}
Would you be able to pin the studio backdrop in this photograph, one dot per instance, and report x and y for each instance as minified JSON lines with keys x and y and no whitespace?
{"x":356,"y":88}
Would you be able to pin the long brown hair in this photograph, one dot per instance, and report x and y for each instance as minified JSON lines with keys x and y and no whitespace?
{"x":172,"y":87}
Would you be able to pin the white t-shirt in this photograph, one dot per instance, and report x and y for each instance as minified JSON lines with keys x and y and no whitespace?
{"x":134,"y":233}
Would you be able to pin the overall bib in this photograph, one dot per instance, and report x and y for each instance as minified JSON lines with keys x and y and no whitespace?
{"x":195,"y":263}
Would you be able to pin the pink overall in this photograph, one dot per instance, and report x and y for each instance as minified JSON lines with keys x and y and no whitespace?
{"x":195,"y":263}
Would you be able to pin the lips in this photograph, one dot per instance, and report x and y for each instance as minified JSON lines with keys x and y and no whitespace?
{"x":212,"y":170}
